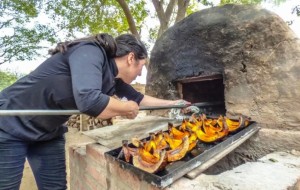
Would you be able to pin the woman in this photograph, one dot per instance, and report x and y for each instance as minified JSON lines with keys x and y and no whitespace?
{"x":82,"y":74}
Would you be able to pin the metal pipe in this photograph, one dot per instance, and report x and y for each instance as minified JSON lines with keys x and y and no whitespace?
{"x":72,"y":112}
{"x":37,"y":112}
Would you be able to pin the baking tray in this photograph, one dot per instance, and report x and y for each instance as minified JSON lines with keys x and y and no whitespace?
{"x":177,"y":169}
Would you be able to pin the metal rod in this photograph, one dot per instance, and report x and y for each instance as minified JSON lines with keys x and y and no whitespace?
{"x":161,"y":107}
{"x":37,"y":112}
{"x":200,"y":104}
{"x":72,"y":112}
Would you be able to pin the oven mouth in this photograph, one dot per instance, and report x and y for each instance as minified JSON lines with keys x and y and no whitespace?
{"x":208,"y":88}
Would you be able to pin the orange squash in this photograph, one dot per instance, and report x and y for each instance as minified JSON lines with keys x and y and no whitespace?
{"x":148,"y":166}
{"x":179,"y":152}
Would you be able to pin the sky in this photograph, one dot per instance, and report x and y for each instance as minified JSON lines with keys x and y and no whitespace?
{"x":284,"y":10}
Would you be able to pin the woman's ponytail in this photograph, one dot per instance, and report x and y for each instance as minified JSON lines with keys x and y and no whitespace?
{"x":108,"y":43}
{"x":103,"y":39}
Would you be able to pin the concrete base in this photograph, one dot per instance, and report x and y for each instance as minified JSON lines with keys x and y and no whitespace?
{"x":276,"y":171}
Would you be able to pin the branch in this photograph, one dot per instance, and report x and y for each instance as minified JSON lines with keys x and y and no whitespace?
{"x":160,"y":12}
{"x":296,"y":10}
{"x":129,"y":18}
{"x":182,"y":6}
{"x":4,"y":24}
{"x":164,"y":17}
{"x":170,"y":9}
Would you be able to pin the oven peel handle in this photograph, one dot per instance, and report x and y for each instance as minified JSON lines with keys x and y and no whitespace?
{"x":72,"y":112}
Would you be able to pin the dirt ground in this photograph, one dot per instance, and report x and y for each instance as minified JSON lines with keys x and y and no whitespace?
{"x":72,"y":137}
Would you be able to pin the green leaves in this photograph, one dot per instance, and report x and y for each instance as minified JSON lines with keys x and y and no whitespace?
{"x":94,"y":16}
{"x":22,"y":36}
{"x":32,"y":25}
{"x":23,"y":43}
{"x":6,"y":79}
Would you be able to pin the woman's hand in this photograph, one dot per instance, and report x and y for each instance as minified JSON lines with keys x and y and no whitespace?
{"x":115,"y":107}
{"x":132,"y":109}
{"x":152,"y":101}
{"x":189,"y":108}
{"x":181,"y":102}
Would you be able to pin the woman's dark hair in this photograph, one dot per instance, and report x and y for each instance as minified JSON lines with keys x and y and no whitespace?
{"x":104,"y":40}
{"x":127,"y":43}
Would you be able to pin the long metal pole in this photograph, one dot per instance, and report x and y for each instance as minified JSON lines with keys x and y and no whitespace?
{"x":37,"y":112}
{"x":72,"y":112}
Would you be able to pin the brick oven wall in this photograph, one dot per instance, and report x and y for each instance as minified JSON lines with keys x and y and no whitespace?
{"x":90,"y":170}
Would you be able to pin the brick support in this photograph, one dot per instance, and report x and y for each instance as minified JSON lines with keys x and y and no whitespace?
{"x":89,"y":170}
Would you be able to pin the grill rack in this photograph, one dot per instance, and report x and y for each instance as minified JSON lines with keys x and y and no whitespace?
{"x":173,"y":171}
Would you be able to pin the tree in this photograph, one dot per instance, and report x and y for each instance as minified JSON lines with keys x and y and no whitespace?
{"x":296,"y":10}
{"x":73,"y":17}
{"x":25,"y":35}
{"x":165,"y":15}
{"x":20,"y":42}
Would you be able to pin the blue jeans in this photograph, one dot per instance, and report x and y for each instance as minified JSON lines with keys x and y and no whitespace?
{"x":46,"y":158}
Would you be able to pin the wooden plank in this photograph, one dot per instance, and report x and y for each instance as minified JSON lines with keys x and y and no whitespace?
{"x":112,"y":136}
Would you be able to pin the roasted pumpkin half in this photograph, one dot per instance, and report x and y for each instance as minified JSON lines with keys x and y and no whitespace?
{"x":172,"y":145}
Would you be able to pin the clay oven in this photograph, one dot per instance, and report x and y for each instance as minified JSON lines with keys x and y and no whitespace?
{"x":254,"y":53}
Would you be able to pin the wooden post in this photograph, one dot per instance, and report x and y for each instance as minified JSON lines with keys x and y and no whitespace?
{"x":81,"y":123}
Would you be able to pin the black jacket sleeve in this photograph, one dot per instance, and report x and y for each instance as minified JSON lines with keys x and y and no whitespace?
{"x":125,"y":90}
{"x":86,"y":67}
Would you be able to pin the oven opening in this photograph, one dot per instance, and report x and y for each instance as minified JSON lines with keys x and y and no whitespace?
{"x":204,"y":89}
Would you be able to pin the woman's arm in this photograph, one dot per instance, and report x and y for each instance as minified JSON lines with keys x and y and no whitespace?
{"x":116,"y":107}
{"x":152,"y":101}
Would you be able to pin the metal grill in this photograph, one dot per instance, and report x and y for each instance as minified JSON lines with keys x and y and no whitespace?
{"x":210,"y":154}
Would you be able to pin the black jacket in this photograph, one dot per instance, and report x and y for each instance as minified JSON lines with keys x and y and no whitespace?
{"x":83,"y":78}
